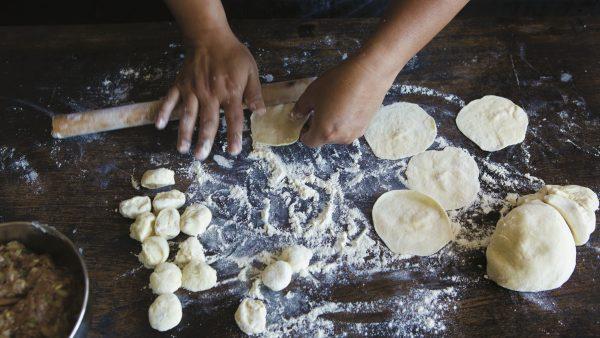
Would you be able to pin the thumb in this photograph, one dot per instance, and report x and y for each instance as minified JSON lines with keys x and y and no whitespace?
{"x":303,"y":106}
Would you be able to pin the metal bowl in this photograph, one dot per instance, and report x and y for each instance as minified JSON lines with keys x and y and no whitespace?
{"x":44,"y":239}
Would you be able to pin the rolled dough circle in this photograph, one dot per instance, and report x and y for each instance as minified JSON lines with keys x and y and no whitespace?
{"x":400,"y":130}
{"x":531,"y":249}
{"x":493,"y":122}
{"x":411,"y":223}
{"x":276,"y":127}
{"x":450,"y":176}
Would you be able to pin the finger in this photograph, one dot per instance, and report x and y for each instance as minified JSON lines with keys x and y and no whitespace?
{"x":208,"y":124}
{"x":312,"y":137}
{"x":253,"y":94}
{"x":303,"y":107}
{"x":166,"y":107}
{"x":187,"y":122}
{"x":234,"y":115}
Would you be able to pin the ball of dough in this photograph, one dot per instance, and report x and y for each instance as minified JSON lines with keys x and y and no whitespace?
{"x":143,"y":227}
{"x":168,"y":199}
{"x":198,"y":276}
{"x":298,"y":256}
{"x":400,"y":130}
{"x":277,"y":275}
{"x":531,"y":249}
{"x":166,"y":278}
{"x":158,"y":178}
{"x":167,"y":223}
{"x":189,"y":250}
{"x":493,"y":122}
{"x":411,"y":223}
{"x":134,"y":206}
{"x":251,"y":316}
{"x":165,"y":312}
{"x":449,"y":176}
{"x":155,"y":250}
{"x":585,"y":197}
{"x":195,"y":219}
{"x":276,"y":127}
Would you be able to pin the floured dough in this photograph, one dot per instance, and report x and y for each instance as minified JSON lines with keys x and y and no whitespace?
{"x":298,"y":256}
{"x":276,"y":127}
{"x":531,"y":249}
{"x":411,"y":223}
{"x":493,"y":122}
{"x":189,"y":250}
{"x":166,"y":278}
{"x":575,"y":203}
{"x":168,"y":199}
{"x":251,"y":316}
{"x":134,"y":206}
{"x":400,"y":130}
{"x":158,"y":178}
{"x":195,"y":219}
{"x":143,"y":227}
{"x":198,"y":276}
{"x":167,"y":223}
{"x":165,"y":312}
{"x":277,"y":275}
{"x":155,"y":250}
{"x":449,"y":176}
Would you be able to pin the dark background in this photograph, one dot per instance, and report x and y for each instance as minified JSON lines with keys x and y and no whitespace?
{"x":50,"y":12}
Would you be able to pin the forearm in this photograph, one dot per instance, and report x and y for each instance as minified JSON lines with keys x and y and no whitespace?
{"x":406,"y":28}
{"x":198,"y":18}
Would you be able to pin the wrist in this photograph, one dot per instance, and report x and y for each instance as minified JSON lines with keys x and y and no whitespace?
{"x":207,"y":35}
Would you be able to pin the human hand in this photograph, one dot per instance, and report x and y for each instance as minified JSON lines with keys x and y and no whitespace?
{"x":342,"y":102}
{"x":218,"y":72}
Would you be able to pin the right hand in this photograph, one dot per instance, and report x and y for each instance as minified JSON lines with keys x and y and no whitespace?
{"x":218,"y":72}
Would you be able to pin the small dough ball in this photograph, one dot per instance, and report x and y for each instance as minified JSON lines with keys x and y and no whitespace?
{"x":400,"y":130}
{"x":195,"y":219}
{"x":168,"y":199}
{"x":277,"y":276}
{"x":166,"y":278}
{"x":167,"y":223}
{"x":585,"y":197}
{"x":158,"y":178}
{"x":155,"y":250}
{"x":134,"y":206}
{"x":165,"y":312}
{"x":449,"y":176}
{"x":276,"y":127}
{"x":531,"y":249}
{"x":298,"y":256}
{"x":189,"y":250}
{"x":411,"y":223}
{"x":251,"y":316}
{"x":143,"y":227}
{"x":493,"y":122}
{"x":198,"y":276}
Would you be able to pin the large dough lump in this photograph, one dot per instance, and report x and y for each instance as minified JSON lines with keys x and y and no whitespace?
{"x":400,"y":130}
{"x":493,"y":122}
{"x":531,"y":249}
{"x":411,"y":223}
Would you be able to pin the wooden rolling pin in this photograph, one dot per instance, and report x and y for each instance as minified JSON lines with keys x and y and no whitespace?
{"x":144,"y":113}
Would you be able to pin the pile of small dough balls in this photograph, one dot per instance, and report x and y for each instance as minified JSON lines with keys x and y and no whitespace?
{"x":532,"y":247}
{"x":251,"y":314}
{"x":189,"y":269}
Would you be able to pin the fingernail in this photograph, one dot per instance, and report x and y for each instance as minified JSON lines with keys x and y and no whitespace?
{"x":161,"y":123}
{"x":184,"y":147}
{"x":204,"y":151}
{"x":236,"y":145}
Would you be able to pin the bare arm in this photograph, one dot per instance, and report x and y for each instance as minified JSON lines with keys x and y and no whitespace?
{"x":344,"y":99}
{"x":218,"y":72}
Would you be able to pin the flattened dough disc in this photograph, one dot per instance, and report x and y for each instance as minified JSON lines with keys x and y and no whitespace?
{"x":411,"y":223}
{"x":493,"y":122}
{"x":400,"y":130}
{"x":276,"y":127}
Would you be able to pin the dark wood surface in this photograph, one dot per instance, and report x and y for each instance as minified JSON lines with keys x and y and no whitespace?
{"x":80,"y":181}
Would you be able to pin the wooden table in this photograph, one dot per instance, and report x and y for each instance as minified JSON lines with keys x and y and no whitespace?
{"x":547,"y":66}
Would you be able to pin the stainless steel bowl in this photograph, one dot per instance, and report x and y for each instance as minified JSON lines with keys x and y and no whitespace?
{"x":44,"y":239}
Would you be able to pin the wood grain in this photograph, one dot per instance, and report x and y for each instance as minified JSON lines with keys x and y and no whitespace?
{"x":80,"y":181}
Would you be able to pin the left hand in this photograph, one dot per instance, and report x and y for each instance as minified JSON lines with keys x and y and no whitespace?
{"x":342,"y":102}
